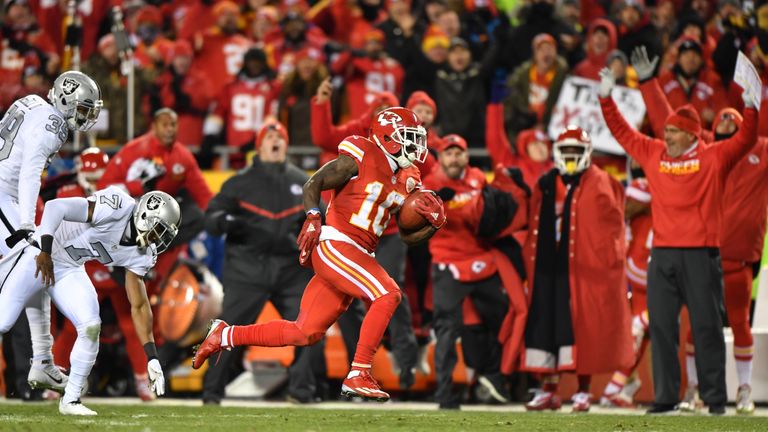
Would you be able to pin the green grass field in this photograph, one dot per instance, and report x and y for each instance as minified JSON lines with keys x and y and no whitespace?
{"x":147,"y":418}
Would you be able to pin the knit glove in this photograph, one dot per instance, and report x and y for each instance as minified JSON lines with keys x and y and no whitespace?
{"x":643,"y":66}
{"x":607,"y":82}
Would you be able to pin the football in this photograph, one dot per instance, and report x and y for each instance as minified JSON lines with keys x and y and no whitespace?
{"x":409,"y":219}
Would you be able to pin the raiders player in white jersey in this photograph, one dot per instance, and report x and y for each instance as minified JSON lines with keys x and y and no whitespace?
{"x":31,"y":132}
{"x":112,"y":228}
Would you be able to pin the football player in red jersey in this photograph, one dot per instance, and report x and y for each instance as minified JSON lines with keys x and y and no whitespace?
{"x":90,"y":166}
{"x":370,"y":180}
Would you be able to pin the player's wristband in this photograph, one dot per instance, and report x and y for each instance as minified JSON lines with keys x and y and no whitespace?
{"x":150,"y":350}
{"x":313,"y":211}
{"x":46,"y":243}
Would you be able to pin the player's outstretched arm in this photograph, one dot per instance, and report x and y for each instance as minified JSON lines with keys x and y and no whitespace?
{"x":141,"y":313}
{"x":330,"y":176}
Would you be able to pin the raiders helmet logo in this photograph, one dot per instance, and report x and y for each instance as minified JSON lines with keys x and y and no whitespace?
{"x":69,"y":86}
{"x":154,"y":202}
{"x":388,"y":117}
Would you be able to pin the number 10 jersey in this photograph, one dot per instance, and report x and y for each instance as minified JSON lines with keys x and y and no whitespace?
{"x":361,"y":208}
{"x":102,"y":240}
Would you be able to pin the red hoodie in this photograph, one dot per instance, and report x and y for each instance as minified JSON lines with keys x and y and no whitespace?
{"x":590,"y":67}
{"x":500,"y":149}
{"x":687,"y":190}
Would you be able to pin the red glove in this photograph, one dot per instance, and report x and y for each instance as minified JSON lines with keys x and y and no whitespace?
{"x":308,"y":237}
{"x":431,"y":207}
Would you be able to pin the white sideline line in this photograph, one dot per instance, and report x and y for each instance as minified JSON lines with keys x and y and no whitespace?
{"x":392,"y":405}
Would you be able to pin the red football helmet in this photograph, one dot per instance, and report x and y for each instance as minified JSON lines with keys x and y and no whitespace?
{"x":398,"y":131}
{"x":572,"y":161}
{"x":90,"y":165}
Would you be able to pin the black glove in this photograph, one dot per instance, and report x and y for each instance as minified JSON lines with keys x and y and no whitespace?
{"x":446,"y":194}
{"x":517,"y":176}
{"x":231,"y":224}
{"x":17,"y":236}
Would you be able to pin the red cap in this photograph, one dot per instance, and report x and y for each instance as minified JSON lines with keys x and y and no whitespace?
{"x":638,"y":190}
{"x":271,"y":125}
{"x":685,"y":118}
{"x":543,"y":38}
{"x":420,"y":97}
{"x":453,"y":140}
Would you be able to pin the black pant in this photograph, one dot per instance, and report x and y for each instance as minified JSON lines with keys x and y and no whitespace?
{"x":693,"y":277}
{"x":491,"y":303}
{"x":243,"y":302}
{"x":391,"y":255}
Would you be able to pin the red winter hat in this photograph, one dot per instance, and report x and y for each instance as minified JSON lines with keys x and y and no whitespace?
{"x":528,"y":136}
{"x":149,"y":14}
{"x":728,"y":114}
{"x":685,"y":118}
{"x":311,"y":53}
{"x":180,"y":48}
{"x":543,"y":38}
{"x":420,"y":97}
{"x":271,"y":125}
{"x":384,"y":98}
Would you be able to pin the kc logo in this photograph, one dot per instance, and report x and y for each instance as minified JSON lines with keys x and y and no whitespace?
{"x":388,"y":117}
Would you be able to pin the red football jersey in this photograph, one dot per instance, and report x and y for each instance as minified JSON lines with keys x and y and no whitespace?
{"x":362,"y":207}
{"x":367,"y":77}
{"x":221,"y":57}
{"x":244,"y":105}
{"x":640,"y":235}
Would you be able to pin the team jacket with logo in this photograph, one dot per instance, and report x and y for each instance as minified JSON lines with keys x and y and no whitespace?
{"x":31,"y":132}
{"x":687,"y":190}
{"x":75,"y":243}
{"x":469,"y":257}
{"x":181,"y":169}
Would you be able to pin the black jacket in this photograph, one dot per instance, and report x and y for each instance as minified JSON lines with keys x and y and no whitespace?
{"x":261,"y":210}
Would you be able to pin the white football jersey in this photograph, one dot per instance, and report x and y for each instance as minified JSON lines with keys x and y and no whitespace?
{"x":74,"y":243}
{"x":31,"y":132}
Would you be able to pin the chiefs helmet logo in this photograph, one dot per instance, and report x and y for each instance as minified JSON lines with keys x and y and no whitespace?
{"x":154,"y":202}
{"x":389,"y":118}
{"x":69,"y":86}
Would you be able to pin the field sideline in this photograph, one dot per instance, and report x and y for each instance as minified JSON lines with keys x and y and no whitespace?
{"x":122,"y":414}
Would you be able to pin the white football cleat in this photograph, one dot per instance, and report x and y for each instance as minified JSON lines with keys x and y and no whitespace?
{"x":46,"y":375}
{"x":744,"y":403}
{"x":691,"y":401}
{"x":75,"y":408}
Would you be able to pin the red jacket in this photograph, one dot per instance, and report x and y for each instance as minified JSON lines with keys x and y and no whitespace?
{"x":708,"y":92}
{"x":745,"y":197}
{"x":599,"y":308}
{"x":181,"y":169}
{"x":687,"y":190}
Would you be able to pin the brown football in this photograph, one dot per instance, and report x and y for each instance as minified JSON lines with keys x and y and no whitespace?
{"x":409,"y":219}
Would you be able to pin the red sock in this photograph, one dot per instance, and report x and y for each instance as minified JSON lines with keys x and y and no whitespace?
{"x":551,"y":383}
{"x":272,"y":334}
{"x":374,"y":325}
